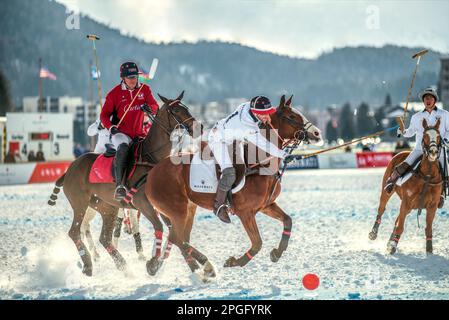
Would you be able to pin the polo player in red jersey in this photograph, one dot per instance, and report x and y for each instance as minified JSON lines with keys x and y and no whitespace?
{"x":130,"y":123}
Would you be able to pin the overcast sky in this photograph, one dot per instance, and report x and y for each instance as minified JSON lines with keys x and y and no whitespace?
{"x":292,"y":27}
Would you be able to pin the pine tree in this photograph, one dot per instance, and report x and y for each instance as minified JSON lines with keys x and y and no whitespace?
{"x":5,"y":98}
{"x":346,"y":125}
{"x":387,"y":102}
{"x":365,"y":121}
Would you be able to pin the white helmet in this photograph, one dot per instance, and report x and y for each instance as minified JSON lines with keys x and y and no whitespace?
{"x":430,"y":91}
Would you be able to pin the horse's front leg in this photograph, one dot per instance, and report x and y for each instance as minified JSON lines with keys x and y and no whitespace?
{"x":430,"y":215}
{"x":249,"y":222}
{"x":275,"y":212}
{"x":398,"y":228}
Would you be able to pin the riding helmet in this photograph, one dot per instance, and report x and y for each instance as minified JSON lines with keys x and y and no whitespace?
{"x":261,"y":105}
{"x":129,"y":69}
{"x":427,"y":91}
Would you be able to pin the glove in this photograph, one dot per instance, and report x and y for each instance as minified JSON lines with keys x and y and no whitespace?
{"x":113,"y":130}
{"x":145,"y":108}
{"x":289,"y":158}
{"x":399,"y":132}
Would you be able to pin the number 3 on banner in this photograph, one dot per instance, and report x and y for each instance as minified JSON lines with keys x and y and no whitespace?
{"x":56,"y":150}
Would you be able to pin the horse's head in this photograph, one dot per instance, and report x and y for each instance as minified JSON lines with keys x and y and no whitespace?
{"x":431,"y":141}
{"x":177,"y":116}
{"x":292,"y":124}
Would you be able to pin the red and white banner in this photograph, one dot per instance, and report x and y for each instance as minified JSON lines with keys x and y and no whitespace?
{"x":32,"y":172}
{"x":373,"y":159}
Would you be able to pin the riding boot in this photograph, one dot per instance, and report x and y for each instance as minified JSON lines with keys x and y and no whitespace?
{"x":398,"y":172}
{"x":224,"y":185}
{"x":221,"y":207}
{"x":120,"y":166}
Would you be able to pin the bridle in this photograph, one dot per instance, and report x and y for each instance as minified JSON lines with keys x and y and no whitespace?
{"x":179,"y":123}
{"x":300,"y":134}
{"x":426,"y":149}
{"x":168,"y":130}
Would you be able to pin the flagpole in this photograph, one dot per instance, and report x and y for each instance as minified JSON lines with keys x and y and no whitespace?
{"x":91,"y":98}
{"x":40,"y":107}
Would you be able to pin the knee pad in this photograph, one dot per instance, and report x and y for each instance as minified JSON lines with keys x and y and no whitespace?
{"x":227,"y":179}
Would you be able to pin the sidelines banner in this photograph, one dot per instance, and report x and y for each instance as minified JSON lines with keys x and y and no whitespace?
{"x":373,"y":159}
{"x":337,"y":160}
{"x":32,"y":172}
{"x":343,"y":161}
{"x":308,"y":163}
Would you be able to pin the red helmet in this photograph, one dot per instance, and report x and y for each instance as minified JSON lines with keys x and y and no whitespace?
{"x":261,"y":105}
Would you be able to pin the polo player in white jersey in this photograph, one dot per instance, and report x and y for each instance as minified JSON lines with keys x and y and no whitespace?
{"x":242,"y":125}
{"x":431,"y":114}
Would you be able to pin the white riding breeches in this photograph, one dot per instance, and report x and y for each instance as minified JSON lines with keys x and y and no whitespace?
{"x":119,"y":138}
{"x":220,"y":150}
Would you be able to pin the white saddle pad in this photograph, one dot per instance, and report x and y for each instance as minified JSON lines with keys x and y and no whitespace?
{"x":203,"y":177}
{"x":405,"y":178}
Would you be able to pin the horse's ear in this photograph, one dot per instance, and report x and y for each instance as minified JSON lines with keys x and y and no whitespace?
{"x":179,"y":98}
{"x":289,"y":101}
{"x":424,"y":123}
{"x":282,"y":102}
{"x":164,"y":99}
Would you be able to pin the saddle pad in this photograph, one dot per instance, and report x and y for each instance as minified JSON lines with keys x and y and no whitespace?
{"x":405,"y":178}
{"x":203,"y":177}
{"x":101,"y":170}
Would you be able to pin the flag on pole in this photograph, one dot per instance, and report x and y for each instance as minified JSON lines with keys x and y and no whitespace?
{"x":144,"y":76}
{"x":96,"y":74}
{"x":45,"y":73}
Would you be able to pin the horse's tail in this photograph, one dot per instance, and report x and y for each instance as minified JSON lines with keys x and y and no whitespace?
{"x":58,"y":185}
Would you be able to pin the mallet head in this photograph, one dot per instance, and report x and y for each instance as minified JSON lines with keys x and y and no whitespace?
{"x":92,"y":37}
{"x":419,"y":54}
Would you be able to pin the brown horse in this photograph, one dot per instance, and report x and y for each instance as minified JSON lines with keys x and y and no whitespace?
{"x":421,"y":191}
{"x":167,"y":188}
{"x":81,"y":193}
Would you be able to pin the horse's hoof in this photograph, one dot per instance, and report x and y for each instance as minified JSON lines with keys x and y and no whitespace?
{"x":209,"y":271}
{"x":87,"y":271}
{"x":274,"y":255}
{"x":153,"y":265}
{"x":372,"y":235}
{"x":391,"y":248}
{"x":231,"y":262}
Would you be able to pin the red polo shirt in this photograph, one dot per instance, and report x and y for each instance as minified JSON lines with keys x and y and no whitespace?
{"x":118,"y":100}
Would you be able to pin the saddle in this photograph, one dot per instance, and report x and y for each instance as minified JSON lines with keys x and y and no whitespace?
{"x":102,"y":170}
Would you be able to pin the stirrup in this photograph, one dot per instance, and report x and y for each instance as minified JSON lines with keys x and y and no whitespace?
{"x":120,"y":192}
{"x":389,"y":187}
{"x":223,"y":216}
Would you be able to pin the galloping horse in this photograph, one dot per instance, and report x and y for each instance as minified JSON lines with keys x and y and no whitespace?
{"x":421,"y":191}
{"x":167,"y":188}
{"x":100,"y":196}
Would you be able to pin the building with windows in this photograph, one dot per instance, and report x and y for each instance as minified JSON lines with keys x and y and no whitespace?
{"x":443,"y":85}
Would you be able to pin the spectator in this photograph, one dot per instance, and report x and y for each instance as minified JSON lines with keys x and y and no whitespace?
{"x":78,"y":150}
{"x":40,"y":156}
{"x":31,"y":156}
{"x":9,"y":158}
{"x":17,"y":156}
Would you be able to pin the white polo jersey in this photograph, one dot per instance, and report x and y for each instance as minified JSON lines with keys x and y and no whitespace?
{"x":416,"y":124}
{"x":241,"y":126}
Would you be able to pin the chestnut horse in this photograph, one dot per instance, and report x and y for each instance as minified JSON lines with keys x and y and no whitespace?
{"x":421,"y":191}
{"x":100,"y":196}
{"x":167,"y":188}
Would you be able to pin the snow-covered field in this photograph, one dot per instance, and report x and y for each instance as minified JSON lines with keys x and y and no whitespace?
{"x":332,"y":212}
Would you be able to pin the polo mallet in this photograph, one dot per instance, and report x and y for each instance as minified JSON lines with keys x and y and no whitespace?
{"x":95,"y":38}
{"x":400,"y":120}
